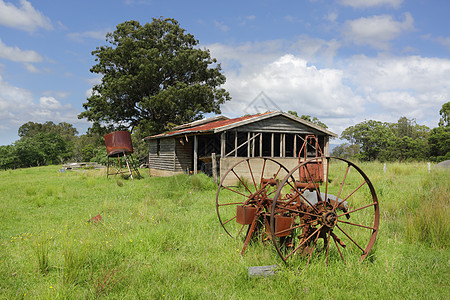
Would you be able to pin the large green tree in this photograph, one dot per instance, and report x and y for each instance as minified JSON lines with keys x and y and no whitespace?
{"x":153,"y":76}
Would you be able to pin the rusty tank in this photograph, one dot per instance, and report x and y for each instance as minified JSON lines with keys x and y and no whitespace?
{"x":118,"y":143}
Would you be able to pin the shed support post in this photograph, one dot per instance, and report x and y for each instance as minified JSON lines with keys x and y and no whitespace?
{"x":272,"y":149}
{"x":214,"y":167}
{"x":222,"y":145}
{"x":195,"y":153}
{"x":281,"y":144}
{"x":248,"y":144}
{"x":253,"y":145}
{"x":235,"y":143}
{"x":295,"y":145}
{"x":260,"y":144}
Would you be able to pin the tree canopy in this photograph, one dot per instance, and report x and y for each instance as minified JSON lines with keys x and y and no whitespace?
{"x":403,"y":140}
{"x":310,"y":119}
{"x":153,"y":76}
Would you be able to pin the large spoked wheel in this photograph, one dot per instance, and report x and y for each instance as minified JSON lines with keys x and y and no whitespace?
{"x":335,"y":218}
{"x":244,"y":196}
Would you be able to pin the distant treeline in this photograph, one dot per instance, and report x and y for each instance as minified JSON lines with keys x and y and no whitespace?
{"x":402,"y":141}
{"x":50,"y":143}
{"x":405,"y":140}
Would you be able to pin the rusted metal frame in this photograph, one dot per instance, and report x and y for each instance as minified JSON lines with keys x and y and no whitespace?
{"x":350,"y":238}
{"x":250,"y":231}
{"x":291,"y":228}
{"x":128,"y":166}
{"x":342,"y":186}
{"x":296,"y":211}
{"x":244,"y":143}
{"x":306,"y":200}
{"x":314,"y":182}
{"x":241,"y":181}
{"x":352,"y":211}
{"x":304,"y":241}
{"x":359,"y":225}
{"x":326,"y":181}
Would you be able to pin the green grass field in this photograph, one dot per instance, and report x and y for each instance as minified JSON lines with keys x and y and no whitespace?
{"x":160,"y":238}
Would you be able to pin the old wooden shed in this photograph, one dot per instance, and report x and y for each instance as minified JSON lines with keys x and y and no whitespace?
{"x":190,"y":147}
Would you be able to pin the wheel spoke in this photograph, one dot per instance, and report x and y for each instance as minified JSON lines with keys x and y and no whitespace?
{"x":289,"y":229}
{"x":241,"y":181}
{"x":352,"y":211}
{"x":312,"y":250}
{"x":359,"y":225}
{"x":352,"y":192}
{"x":301,"y":195}
{"x":304,"y":241}
{"x":229,"y":220}
{"x":350,"y":238}
{"x":298,"y":211}
{"x":251,"y":173}
{"x":262,"y":173}
{"x":337,"y":246}
{"x":225,"y":187}
{"x":328,"y":246}
{"x":231,"y":203}
{"x":341,"y":187}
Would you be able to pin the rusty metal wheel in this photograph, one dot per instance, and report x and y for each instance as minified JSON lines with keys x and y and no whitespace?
{"x":244,"y":196}
{"x":335,"y":218}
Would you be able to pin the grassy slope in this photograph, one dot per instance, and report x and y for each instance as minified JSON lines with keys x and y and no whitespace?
{"x":160,"y":238}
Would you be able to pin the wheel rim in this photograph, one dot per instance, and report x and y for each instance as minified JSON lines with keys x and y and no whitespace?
{"x":256,"y":189}
{"x":320,"y":227}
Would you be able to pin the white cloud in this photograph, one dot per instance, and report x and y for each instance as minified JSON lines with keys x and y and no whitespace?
{"x":93,"y":34}
{"x":289,"y":81}
{"x":371,"y":3}
{"x":13,"y":99}
{"x":25,"y":17}
{"x":49,"y":103}
{"x":17,"y":106}
{"x":376,"y":31}
{"x":17,"y":55}
{"x":221,"y":26}
{"x":411,"y":86}
{"x":445,"y":41}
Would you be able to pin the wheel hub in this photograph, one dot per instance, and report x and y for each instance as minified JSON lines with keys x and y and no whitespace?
{"x":329,"y":219}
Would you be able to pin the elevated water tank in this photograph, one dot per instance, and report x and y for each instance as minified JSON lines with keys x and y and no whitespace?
{"x":118,"y":143}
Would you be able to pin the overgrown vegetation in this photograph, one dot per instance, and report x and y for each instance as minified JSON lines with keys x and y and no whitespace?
{"x":160,"y":238}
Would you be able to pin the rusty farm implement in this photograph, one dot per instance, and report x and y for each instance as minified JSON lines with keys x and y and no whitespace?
{"x":324,"y":207}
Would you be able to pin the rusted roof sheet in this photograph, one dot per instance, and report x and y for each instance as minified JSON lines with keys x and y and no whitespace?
{"x":220,"y":125}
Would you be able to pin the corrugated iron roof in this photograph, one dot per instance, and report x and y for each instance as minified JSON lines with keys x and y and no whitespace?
{"x":216,"y":126}
{"x":212,"y":126}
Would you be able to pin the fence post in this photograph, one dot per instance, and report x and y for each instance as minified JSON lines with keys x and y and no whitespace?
{"x":384,"y":168}
{"x":429,"y":167}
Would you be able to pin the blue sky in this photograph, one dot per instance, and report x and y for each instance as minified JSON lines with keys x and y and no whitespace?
{"x":343,"y":61}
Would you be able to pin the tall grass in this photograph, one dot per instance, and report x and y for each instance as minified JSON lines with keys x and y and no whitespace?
{"x":160,"y":238}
